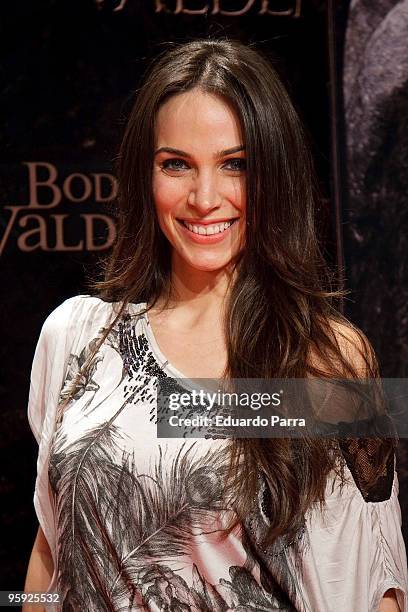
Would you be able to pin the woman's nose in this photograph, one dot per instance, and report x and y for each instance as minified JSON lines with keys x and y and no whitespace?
{"x":204,"y":195}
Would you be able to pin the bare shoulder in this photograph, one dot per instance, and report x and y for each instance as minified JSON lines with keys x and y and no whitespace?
{"x":351,"y":350}
{"x":355,"y":347}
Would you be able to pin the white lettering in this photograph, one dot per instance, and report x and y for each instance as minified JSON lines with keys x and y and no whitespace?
{"x":90,"y":218}
{"x":292,"y":12}
{"x":120,"y":6}
{"x":86,"y":187}
{"x":14,"y":211}
{"x":217,"y":10}
{"x":287,"y":422}
{"x":180,"y":9}
{"x":40,"y":230}
{"x":98,"y":187}
{"x":34,"y":183}
{"x":59,"y":236}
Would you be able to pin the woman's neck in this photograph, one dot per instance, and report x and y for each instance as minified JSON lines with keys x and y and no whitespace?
{"x":199,"y":291}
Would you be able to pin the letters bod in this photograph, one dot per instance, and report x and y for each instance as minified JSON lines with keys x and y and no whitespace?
{"x":46,"y":194}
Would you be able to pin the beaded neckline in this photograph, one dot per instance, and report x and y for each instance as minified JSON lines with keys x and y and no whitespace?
{"x":147,"y":328}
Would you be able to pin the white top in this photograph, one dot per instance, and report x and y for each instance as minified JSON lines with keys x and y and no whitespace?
{"x":133,"y":521}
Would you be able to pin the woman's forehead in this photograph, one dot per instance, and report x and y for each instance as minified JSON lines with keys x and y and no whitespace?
{"x":195,"y":114}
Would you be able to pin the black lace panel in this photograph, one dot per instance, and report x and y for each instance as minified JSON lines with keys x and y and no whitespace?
{"x":360,"y":456}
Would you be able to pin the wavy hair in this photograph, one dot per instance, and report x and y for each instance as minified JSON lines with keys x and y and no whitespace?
{"x":282,"y":318}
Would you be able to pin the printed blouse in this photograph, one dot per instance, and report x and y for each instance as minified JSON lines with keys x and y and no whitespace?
{"x":135,"y":522}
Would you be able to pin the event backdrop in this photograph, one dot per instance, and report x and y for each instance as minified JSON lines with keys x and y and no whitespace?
{"x":69,"y":69}
{"x":375,"y":212}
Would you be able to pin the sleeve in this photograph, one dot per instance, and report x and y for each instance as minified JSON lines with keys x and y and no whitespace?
{"x":386,"y":560}
{"x":66,"y":331}
{"x":388,"y":555}
{"x":47,"y":370}
{"x":47,"y":375}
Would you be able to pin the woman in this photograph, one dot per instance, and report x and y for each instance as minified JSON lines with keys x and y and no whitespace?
{"x":216,"y":273}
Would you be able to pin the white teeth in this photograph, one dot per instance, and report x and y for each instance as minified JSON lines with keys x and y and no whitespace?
{"x":208,"y":230}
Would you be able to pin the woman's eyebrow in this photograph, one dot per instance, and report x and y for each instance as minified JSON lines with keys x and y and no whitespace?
{"x":184,"y":154}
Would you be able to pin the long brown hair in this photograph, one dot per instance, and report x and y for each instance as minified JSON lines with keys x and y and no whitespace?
{"x":281,"y":308}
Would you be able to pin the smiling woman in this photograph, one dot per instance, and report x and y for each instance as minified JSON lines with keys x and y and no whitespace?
{"x":216,"y":273}
{"x":200,"y":194}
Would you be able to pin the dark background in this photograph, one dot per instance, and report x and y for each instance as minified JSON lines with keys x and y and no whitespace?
{"x":68,"y":71}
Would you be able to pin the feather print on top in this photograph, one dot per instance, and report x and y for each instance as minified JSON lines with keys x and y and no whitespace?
{"x":124,"y":532}
{"x":137,"y":517}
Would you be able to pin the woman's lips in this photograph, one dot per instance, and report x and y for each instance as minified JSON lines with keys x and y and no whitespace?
{"x":204,"y":238}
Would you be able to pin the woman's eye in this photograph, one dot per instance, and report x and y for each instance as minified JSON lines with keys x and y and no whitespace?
{"x":238,"y":164}
{"x":174,"y":164}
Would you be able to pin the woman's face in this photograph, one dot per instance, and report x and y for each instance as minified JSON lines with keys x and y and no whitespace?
{"x":199,"y":179}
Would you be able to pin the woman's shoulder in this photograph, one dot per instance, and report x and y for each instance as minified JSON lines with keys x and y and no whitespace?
{"x":352,"y":345}
{"x":76,"y":313}
{"x":351,"y":339}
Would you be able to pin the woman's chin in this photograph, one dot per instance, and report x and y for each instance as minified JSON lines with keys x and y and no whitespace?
{"x":209,"y":266}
